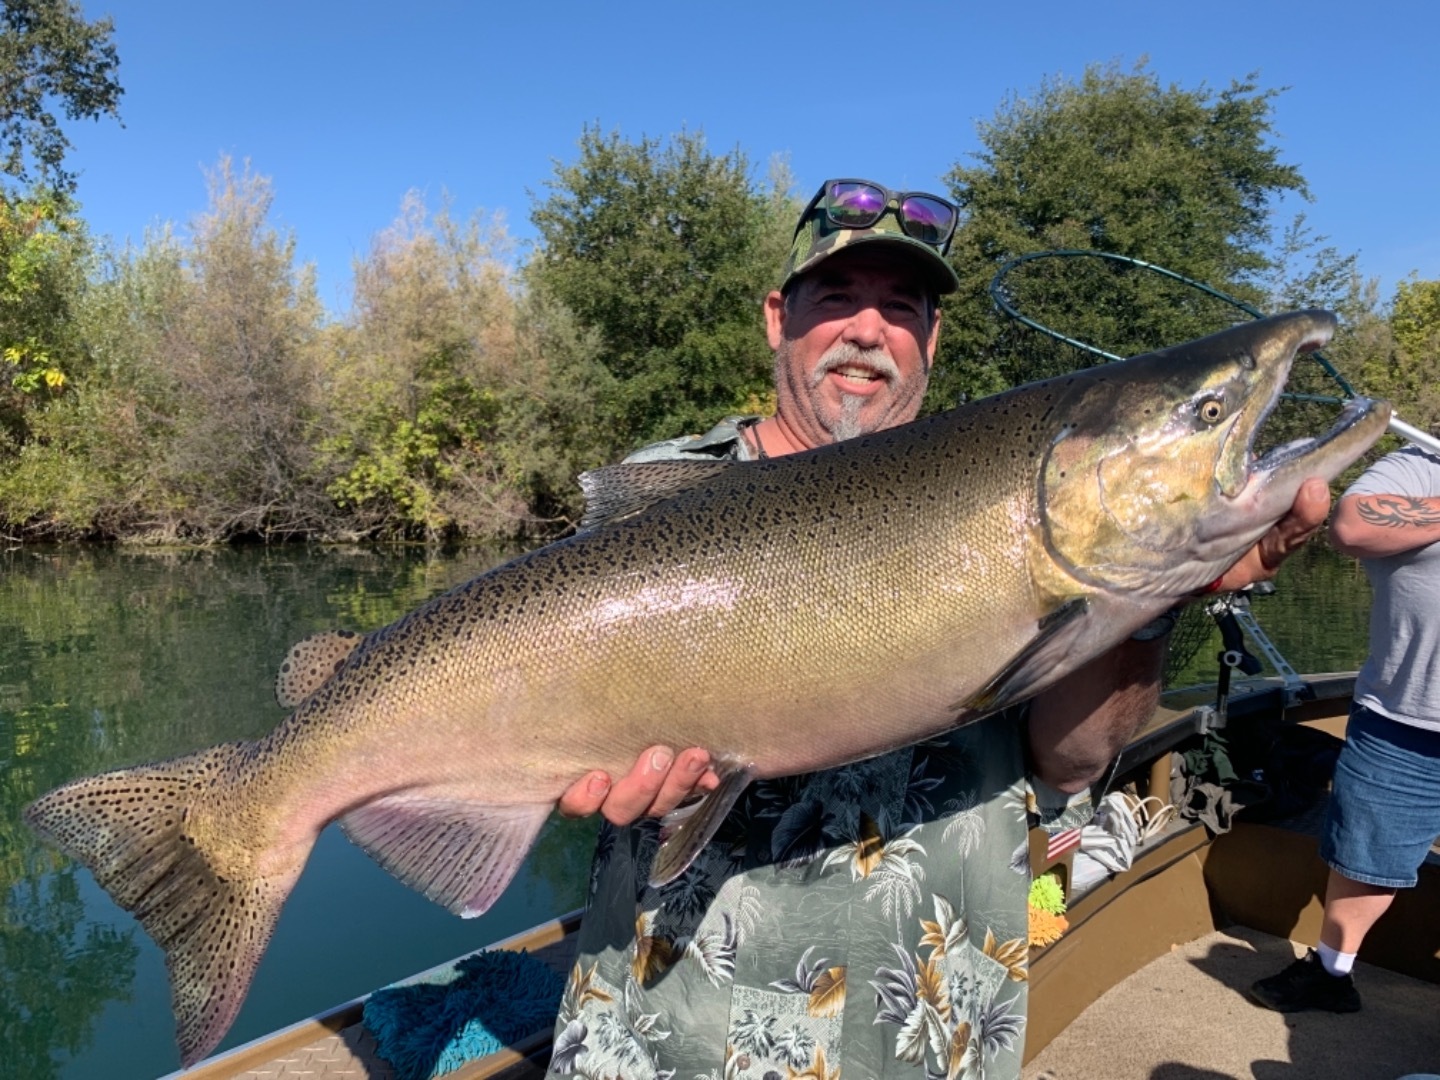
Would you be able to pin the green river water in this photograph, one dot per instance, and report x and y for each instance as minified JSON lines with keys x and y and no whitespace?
{"x":108,"y":658}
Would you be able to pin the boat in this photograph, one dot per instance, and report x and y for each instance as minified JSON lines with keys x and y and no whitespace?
{"x":1197,"y":915}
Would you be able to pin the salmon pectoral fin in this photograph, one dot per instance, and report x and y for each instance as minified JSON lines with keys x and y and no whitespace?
{"x":130,"y":829}
{"x":1028,"y":669}
{"x":686,"y":830}
{"x":458,"y":852}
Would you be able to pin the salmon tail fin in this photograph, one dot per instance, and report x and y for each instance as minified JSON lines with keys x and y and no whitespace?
{"x":130,"y":828}
{"x":458,"y":853}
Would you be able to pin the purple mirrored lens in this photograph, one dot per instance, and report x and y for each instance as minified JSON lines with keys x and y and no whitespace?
{"x":855,"y":206}
{"x":927,"y":219}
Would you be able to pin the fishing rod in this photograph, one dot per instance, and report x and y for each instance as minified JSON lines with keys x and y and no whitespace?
{"x":997,"y":294}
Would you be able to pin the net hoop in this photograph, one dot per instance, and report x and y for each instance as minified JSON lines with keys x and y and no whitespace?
{"x":1002,"y":302}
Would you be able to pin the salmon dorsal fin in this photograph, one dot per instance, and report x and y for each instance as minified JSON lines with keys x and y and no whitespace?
{"x":615,"y":492}
{"x":686,"y":830}
{"x":310,"y":663}
{"x":131,"y":828}
{"x":459,"y":853}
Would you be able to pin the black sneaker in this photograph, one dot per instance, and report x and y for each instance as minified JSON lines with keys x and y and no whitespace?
{"x":1306,"y":984}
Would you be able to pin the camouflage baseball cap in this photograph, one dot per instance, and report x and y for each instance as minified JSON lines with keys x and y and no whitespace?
{"x":844,"y":213}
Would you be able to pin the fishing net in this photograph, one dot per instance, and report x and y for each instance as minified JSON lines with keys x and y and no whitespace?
{"x":1058,"y":311}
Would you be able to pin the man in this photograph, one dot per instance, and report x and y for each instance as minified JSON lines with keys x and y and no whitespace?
{"x":1384,"y":809}
{"x":873,"y":917}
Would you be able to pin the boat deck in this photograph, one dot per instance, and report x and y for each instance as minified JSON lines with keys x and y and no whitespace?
{"x":1208,"y":1030}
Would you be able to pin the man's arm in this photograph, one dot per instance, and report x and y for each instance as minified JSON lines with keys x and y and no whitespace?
{"x":1078,"y":725}
{"x":1374,"y":526}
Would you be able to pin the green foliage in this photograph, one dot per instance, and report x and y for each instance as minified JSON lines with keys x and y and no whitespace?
{"x":1116,"y":162}
{"x":193,"y":388}
{"x":665,"y":252}
{"x":549,"y":426}
{"x":194,"y":414}
{"x":96,"y":461}
{"x":44,"y":256}
{"x":37,"y":279}
{"x":422,"y":369}
{"x":1415,"y":317}
{"x":240,"y":347}
{"x":43,"y":251}
{"x":51,"y":57}
{"x":1402,"y":362}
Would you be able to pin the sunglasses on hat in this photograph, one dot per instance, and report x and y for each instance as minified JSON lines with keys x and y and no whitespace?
{"x":860,"y":204}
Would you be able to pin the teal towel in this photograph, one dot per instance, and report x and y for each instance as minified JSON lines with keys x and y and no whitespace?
{"x":486,"y":1001}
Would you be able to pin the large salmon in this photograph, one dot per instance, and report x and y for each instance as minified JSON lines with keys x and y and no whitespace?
{"x":788,"y":614}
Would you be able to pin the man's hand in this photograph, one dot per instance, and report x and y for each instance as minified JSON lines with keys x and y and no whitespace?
{"x":657,"y":784}
{"x":1301,"y":521}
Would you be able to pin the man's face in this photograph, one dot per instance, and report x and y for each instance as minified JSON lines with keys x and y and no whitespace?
{"x":853,"y":346}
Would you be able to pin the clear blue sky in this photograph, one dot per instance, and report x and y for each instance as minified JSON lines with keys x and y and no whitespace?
{"x":348,"y":105}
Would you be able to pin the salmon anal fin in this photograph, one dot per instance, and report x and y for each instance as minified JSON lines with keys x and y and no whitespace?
{"x":310,"y":663}
{"x":459,"y":853}
{"x":615,"y":492}
{"x":130,"y":829}
{"x":690,"y":828}
{"x":1018,"y":679}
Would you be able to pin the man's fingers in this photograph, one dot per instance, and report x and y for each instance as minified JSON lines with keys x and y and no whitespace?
{"x":1304,"y":518}
{"x":1312,"y":507}
{"x":689,"y":774}
{"x":635,"y":792}
{"x":1307,"y":514}
{"x":585,"y":796}
{"x":656,"y":784}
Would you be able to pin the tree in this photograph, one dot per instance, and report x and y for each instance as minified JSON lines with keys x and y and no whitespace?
{"x":44,"y":257}
{"x":420,"y":370}
{"x":1402,"y":359}
{"x":96,"y":460}
{"x":665,"y":252}
{"x":1182,"y":178}
{"x":241,"y":348}
{"x":51,"y":57}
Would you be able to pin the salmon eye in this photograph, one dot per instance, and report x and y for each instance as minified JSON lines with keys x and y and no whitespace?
{"x":1211,"y":410}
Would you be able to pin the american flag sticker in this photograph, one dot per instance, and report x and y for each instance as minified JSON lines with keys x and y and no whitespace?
{"x":1061,"y":842}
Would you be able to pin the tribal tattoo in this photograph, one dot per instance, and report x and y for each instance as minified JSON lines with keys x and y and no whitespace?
{"x":1397,"y":511}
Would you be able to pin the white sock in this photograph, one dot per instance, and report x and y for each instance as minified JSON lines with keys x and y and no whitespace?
{"x":1336,"y":963}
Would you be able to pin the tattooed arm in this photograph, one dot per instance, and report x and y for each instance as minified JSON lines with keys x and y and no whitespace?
{"x":1374,"y":526}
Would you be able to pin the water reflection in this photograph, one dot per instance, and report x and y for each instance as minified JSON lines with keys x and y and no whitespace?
{"x":108,"y":658}
{"x":57,"y":971}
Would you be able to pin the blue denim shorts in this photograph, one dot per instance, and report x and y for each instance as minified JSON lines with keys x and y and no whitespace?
{"x":1384,"y":810}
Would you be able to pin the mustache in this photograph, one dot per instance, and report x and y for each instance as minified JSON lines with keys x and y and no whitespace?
{"x":846,"y":353}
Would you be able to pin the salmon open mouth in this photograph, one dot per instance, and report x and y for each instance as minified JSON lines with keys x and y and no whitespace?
{"x":1287,"y":454}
